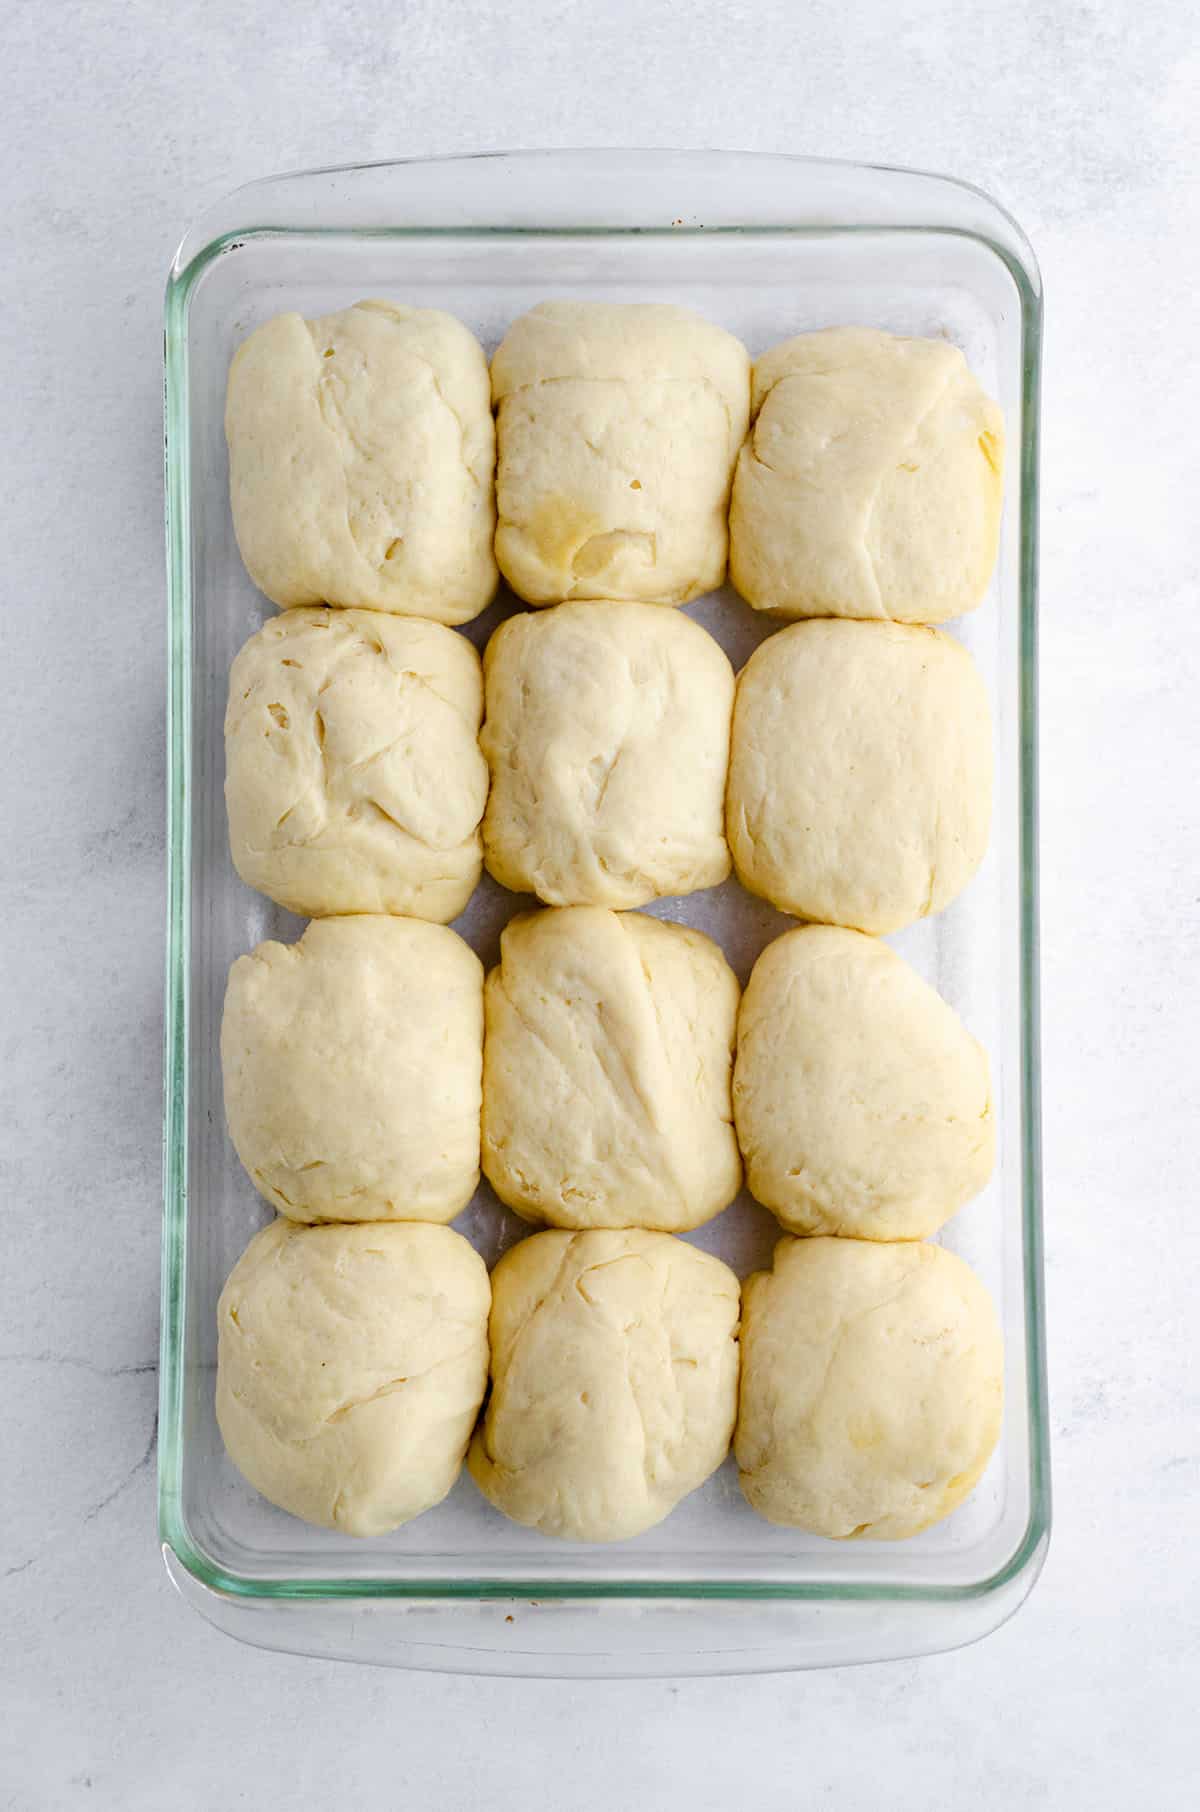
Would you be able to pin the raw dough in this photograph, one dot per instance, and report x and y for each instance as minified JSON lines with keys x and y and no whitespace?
{"x":860,"y":778}
{"x":872,"y":1387}
{"x":361,"y":455}
{"x":351,"y":1363}
{"x":353,"y":776}
{"x":607,"y":1064}
{"x":352,"y":1064}
{"x":607,"y":734}
{"x":871,"y":483}
{"x":618,"y":425}
{"x":614,"y":1381}
{"x":862,"y":1103}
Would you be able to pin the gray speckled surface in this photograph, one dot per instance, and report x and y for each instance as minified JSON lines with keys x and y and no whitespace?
{"x":120,"y":124}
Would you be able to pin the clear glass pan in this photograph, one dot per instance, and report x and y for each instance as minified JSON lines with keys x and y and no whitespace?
{"x":767,"y":246}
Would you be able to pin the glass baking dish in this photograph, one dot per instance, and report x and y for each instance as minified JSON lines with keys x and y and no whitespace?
{"x":766,"y":246}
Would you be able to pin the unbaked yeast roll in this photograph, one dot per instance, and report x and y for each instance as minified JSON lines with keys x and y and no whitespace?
{"x":607,"y":736}
{"x":353,"y":776}
{"x":871,"y":482}
{"x":361,"y":461}
{"x":351,"y":1363}
{"x":352,"y":1063}
{"x":607,"y":1069}
{"x":863,"y":1105}
{"x":618,"y":425}
{"x":614,"y":1381}
{"x":860,"y":774}
{"x":872,"y":1387}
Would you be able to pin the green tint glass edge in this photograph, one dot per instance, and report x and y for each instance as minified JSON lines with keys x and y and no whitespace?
{"x":1029,"y":1552}
{"x":175,"y":1059}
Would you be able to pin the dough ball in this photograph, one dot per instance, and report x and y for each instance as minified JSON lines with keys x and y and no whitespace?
{"x":353,"y":775}
{"x":618,"y":425}
{"x":352,"y":1065}
{"x":607,"y":1067}
{"x":871,"y":483}
{"x":361,"y":454}
{"x":872,"y":1387}
{"x":860,"y":779}
{"x":351,"y":1363}
{"x":607,"y":734}
{"x":614,"y":1381}
{"x":863,"y":1105}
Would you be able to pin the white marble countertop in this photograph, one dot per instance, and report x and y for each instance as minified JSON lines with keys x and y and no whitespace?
{"x":120,"y":123}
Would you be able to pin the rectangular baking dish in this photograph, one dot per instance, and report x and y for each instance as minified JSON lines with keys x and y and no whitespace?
{"x":766,"y":246}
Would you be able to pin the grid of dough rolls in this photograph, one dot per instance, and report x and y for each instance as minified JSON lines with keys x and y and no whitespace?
{"x":608,"y":1076}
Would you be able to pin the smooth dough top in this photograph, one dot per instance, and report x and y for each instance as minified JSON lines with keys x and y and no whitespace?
{"x":607,"y":1069}
{"x":618,"y":427}
{"x":872,"y":1387}
{"x":863,"y":1105}
{"x":614,"y":1381}
{"x":361,"y":460}
{"x":860,"y":777}
{"x":353,"y":776}
{"x":353,"y":1064}
{"x":871,"y":483}
{"x":351,"y":1363}
{"x":607,"y":735}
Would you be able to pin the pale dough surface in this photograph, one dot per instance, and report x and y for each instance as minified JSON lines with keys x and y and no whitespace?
{"x":871,"y":482}
{"x":607,"y":735}
{"x":872,"y":1387}
{"x":351,"y":1363}
{"x":860,"y":774}
{"x":618,"y":425}
{"x":353,"y":776}
{"x":607,"y":1070}
{"x":352,"y":1063}
{"x":863,"y":1105}
{"x":614,"y":1381}
{"x":361,"y":461}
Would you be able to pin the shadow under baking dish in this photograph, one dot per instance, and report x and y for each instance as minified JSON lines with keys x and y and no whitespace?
{"x":767,"y":247}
